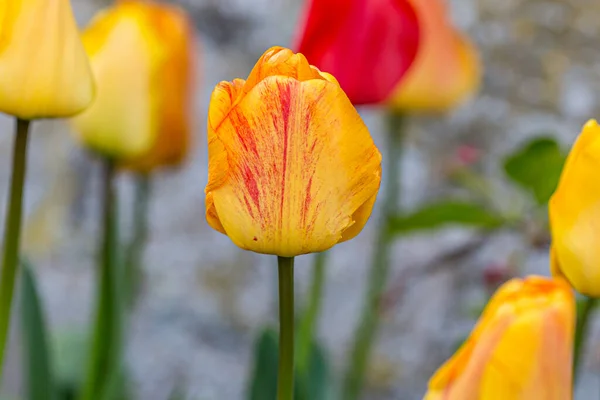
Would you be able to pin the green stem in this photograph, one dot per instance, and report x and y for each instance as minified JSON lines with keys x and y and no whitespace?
{"x":311,"y":314}
{"x":285,"y":378}
{"x":581,"y":333}
{"x":378,"y":275}
{"x":12,"y":232}
{"x":104,"y":359}
{"x":135,"y":249}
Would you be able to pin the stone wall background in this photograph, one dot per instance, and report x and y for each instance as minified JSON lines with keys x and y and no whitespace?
{"x":204,"y":299}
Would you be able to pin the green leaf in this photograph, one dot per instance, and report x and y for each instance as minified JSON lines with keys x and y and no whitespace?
{"x":537,"y":167}
{"x":316,"y":385}
{"x":37,"y":371}
{"x":263,"y":383}
{"x":437,"y":215}
{"x":70,"y":357}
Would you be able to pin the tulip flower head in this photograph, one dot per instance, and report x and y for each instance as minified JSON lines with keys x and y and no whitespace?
{"x":367,"y":45}
{"x":521,"y":348}
{"x":574,"y":211}
{"x":446,"y":70}
{"x":292,"y":167}
{"x":141,"y":54}
{"x":44,"y":71}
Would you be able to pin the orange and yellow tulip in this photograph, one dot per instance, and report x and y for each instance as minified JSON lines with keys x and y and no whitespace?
{"x":446,"y":70}
{"x":141,"y":54}
{"x":574,"y":211}
{"x":44,"y":71}
{"x":521,"y":348}
{"x":292,"y":167}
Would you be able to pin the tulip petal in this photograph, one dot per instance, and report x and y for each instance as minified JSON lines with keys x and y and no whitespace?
{"x":175,"y":89}
{"x":367,"y":45}
{"x":292,"y":166}
{"x":123,"y":120}
{"x":520,"y":349}
{"x":44,"y":71}
{"x":574,"y":211}
{"x":446,"y":69}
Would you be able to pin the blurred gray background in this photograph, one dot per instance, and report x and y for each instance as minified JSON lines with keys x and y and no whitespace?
{"x":204,"y":299}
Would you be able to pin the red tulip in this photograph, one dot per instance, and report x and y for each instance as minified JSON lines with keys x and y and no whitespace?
{"x":368,"y":45}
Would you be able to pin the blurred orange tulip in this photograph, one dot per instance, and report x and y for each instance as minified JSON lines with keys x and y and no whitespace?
{"x":446,"y":70}
{"x":521,"y":348}
{"x":574,"y":211}
{"x":142,"y":55}
{"x":44,"y":71}
{"x":292,"y":167}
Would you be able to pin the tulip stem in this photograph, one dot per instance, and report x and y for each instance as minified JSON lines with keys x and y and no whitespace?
{"x":285,"y":378}
{"x":378,"y":275}
{"x":311,"y":314}
{"x":12,"y":231}
{"x":135,"y":249}
{"x":581,"y":333}
{"x":104,"y":360}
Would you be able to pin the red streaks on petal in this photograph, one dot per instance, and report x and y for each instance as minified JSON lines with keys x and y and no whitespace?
{"x":244,"y":132}
{"x":251,"y":185}
{"x":285,"y":98}
{"x":307,"y":201}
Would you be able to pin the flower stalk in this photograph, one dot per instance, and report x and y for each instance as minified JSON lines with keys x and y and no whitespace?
{"x":285,"y":377}
{"x":581,"y":333}
{"x":12,"y":231}
{"x":369,"y":320}
{"x":105,"y":356}
{"x":311,"y":314}
{"x":135,"y":249}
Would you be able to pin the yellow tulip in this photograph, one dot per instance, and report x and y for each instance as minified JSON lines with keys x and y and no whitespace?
{"x":446,"y":70}
{"x":175,"y":91}
{"x":292,"y":167}
{"x":574,"y":211}
{"x":44,"y":71}
{"x":521,"y":348}
{"x":140,"y":53}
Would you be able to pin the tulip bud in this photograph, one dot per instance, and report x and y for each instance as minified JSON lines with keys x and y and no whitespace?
{"x":141,"y":54}
{"x":446,"y":70}
{"x":367,"y":45}
{"x":292,"y":167}
{"x":574,"y":211}
{"x":44,"y":71}
{"x":521,"y":348}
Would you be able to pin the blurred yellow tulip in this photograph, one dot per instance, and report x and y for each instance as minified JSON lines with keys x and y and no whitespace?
{"x":44,"y":71}
{"x":292,"y":167}
{"x":141,"y":54}
{"x":521,"y":348}
{"x":574,"y":211}
{"x":446,"y":70}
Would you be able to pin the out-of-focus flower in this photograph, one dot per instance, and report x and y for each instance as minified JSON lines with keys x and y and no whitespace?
{"x":521,"y":348}
{"x":447,"y":68}
{"x":496,"y":274}
{"x":292,"y":167}
{"x":367,"y":45}
{"x":44,"y":71}
{"x":574,"y":211}
{"x":141,"y":54}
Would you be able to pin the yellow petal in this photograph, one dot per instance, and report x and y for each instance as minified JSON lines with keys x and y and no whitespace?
{"x":446,"y":70}
{"x":520,"y":349}
{"x":44,"y":71}
{"x":175,"y":89}
{"x":292,"y":167}
{"x":574,"y":211}
{"x":126,"y":57}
